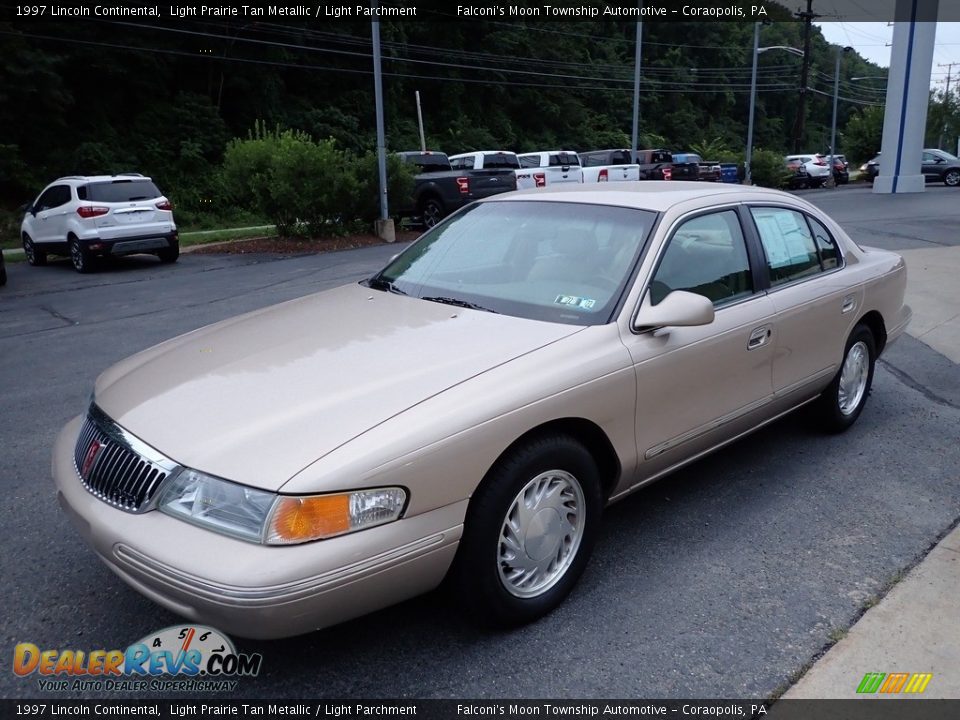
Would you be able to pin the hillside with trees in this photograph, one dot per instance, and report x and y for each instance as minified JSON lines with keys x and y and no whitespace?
{"x":95,"y":96}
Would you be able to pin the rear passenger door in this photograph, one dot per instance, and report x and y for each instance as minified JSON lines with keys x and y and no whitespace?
{"x":698,"y":386}
{"x":815,"y":308}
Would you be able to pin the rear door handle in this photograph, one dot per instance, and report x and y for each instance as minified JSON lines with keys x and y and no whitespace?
{"x":849,"y":303}
{"x":759,"y":337}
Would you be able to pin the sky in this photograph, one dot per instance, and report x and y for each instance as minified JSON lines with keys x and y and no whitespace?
{"x":870,"y":40}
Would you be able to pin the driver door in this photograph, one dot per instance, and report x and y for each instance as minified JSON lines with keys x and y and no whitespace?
{"x":698,"y":386}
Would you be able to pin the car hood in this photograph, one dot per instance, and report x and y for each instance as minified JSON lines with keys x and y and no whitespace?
{"x":259,"y":397}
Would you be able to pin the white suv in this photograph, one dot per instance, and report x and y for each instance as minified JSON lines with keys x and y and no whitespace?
{"x":97,"y":216}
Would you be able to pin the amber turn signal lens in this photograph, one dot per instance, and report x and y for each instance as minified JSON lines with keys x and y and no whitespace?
{"x":298,"y":519}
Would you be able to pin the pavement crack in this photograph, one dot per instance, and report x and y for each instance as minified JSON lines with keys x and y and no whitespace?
{"x":907,"y":380}
{"x":59,"y":316}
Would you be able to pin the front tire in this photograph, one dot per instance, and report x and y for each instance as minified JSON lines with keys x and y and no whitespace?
{"x":80,"y":257}
{"x":529,"y":531}
{"x":951,"y":178}
{"x":35,"y":256}
{"x":841,"y":403}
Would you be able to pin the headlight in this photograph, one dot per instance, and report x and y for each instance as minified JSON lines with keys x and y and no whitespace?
{"x":217,"y":504}
{"x":265,"y":517}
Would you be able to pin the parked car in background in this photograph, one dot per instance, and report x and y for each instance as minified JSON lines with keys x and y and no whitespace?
{"x":91,"y":217}
{"x":816,"y":170}
{"x":871,"y":168}
{"x":553,"y":350}
{"x":608,"y":166}
{"x":654,"y":164}
{"x":841,"y":173}
{"x":685,"y":166}
{"x":549,"y":167}
{"x":940,"y":166}
{"x":936,"y":166}
{"x":441,"y":190}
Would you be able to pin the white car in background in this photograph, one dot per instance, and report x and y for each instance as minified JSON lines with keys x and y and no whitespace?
{"x":550,"y":167}
{"x":88,"y":217}
{"x":817,"y":168}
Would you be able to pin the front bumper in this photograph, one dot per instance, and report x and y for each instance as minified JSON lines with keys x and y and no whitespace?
{"x":259,"y":591}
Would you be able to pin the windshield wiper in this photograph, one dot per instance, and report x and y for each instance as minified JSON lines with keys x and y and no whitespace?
{"x":459,"y":303}
{"x":379,"y":283}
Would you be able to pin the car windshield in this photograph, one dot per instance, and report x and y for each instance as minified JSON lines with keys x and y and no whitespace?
{"x":561,"y":262}
{"x":947,"y":156}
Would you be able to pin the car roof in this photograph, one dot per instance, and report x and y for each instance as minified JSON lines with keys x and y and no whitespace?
{"x":100,"y":178}
{"x":656,"y":195}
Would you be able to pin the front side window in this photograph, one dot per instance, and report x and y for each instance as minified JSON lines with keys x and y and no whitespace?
{"x":707,"y":255}
{"x":787,"y":243}
{"x":557,"y":261}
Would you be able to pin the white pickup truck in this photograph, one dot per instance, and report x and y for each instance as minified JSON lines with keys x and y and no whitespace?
{"x":550,"y":167}
{"x":608,"y":166}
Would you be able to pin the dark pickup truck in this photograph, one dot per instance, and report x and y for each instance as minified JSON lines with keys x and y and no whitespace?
{"x":438,"y":190}
{"x":695,"y":168}
{"x":655,"y":164}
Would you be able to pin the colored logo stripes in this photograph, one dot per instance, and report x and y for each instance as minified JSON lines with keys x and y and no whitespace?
{"x":894,"y":683}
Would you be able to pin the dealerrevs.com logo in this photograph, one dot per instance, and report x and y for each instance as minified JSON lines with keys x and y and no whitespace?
{"x":188,"y":658}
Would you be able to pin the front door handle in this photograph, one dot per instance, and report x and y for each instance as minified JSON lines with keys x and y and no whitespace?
{"x":759,"y":337}
{"x":849,"y":303}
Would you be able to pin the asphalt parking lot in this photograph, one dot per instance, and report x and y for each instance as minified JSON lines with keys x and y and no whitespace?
{"x":724,"y":580}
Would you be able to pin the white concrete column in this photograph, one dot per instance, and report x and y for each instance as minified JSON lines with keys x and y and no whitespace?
{"x":908,"y":93}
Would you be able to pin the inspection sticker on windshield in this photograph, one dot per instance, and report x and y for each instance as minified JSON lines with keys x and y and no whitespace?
{"x":574,"y":301}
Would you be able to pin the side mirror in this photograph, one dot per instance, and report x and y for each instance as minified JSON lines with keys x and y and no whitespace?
{"x":26,"y":208}
{"x":679,"y":308}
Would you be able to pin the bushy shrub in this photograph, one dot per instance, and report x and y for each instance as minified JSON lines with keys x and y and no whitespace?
{"x":303,"y":186}
{"x":768,"y":169}
{"x":366,"y":206}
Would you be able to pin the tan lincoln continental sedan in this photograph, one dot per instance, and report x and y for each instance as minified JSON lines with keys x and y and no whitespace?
{"x":467,"y":412}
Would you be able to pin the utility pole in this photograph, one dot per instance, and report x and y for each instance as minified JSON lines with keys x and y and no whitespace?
{"x":384,"y":226}
{"x":637,"y":60}
{"x":799,"y":125}
{"x":946,"y":100}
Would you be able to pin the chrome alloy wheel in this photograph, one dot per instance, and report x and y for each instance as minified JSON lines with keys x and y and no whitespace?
{"x":541,"y":533}
{"x":853,"y":378}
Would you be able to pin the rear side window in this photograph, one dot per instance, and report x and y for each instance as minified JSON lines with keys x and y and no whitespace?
{"x":116,"y":191}
{"x":827,"y":247}
{"x":788,"y":244}
{"x":53,"y":197}
{"x":496,"y":161}
{"x":564,"y":159}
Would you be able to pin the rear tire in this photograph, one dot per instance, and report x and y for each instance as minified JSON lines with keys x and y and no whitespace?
{"x":951,"y":178}
{"x":170,"y":254}
{"x":839,"y":406}
{"x":35,"y":256}
{"x":431,"y":212}
{"x":529,"y":532}
{"x":80,"y":256}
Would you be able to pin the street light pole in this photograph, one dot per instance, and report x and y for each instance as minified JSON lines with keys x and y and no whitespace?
{"x":748,"y":157}
{"x":747,"y":175}
{"x":831,"y":180}
{"x":384,"y":225}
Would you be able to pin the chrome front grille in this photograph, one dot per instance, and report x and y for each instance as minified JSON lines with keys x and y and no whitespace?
{"x":117,"y":467}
